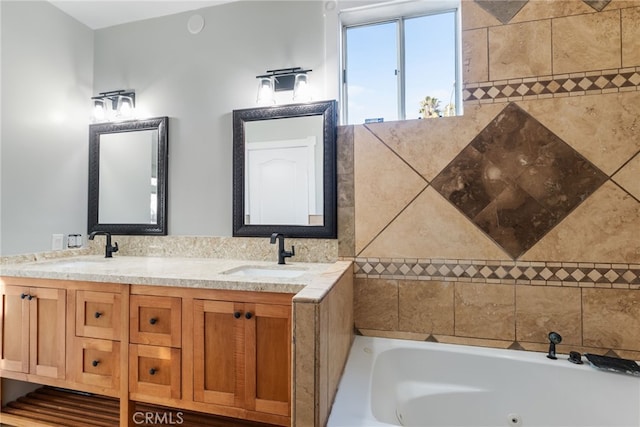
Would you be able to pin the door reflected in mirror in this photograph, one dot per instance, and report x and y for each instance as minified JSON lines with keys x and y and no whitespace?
{"x":283,"y":171}
{"x":284,"y":161}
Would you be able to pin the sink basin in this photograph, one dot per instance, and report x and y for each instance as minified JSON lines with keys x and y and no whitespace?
{"x":255,"y":271}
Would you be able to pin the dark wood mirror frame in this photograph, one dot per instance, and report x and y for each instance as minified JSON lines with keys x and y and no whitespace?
{"x":161,"y":124}
{"x":329,"y":229}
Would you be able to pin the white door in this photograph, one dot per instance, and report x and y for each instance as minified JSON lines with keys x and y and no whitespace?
{"x":278,"y":183}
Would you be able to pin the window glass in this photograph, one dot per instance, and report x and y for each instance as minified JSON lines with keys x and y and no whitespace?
{"x":371,"y":82}
{"x":430,"y":65}
{"x":401,"y":68}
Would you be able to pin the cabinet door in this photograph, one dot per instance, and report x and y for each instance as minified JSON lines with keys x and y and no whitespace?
{"x":218,"y":328}
{"x":156,"y":320}
{"x":47,"y":310}
{"x":14,"y":343}
{"x":268,"y":358}
{"x":154,"y":371}
{"x":98,"y":315}
{"x":97,"y":362}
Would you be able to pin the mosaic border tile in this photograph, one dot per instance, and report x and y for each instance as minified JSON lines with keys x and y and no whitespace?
{"x":576,"y":274}
{"x":586,"y":83}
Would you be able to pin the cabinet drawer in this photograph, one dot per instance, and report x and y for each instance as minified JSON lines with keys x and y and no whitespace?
{"x":156,"y":320}
{"x":98,"y":362}
{"x":98,"y":315}
{"x":154,"y":371}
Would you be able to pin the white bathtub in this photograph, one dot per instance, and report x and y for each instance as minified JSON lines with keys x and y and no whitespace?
{"x":409,"y":383}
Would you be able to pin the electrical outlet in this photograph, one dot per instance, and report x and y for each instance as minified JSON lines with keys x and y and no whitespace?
{"x":57,"y":242}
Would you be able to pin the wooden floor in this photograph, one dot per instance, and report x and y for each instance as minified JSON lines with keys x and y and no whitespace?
{"x":61,"y":408}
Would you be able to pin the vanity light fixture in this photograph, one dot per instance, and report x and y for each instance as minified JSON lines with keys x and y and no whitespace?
{"x":121,"y":107}
{"x":283,"y":79}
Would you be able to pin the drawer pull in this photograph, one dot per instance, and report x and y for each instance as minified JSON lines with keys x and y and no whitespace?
{"x":248,"y":315}
{"x":95,"y":363}
{"x":97,"y":315}
{"x":23,"y":296}
{"x":152,"y":371}
{"x":237,"y":314}
{"x":153,"y":320}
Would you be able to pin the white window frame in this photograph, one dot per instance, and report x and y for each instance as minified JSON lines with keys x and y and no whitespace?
{"x":398,"y":11}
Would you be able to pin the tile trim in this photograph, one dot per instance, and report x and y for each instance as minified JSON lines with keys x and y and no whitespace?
{"x":534,"y":273}
{"x":554,"y":86}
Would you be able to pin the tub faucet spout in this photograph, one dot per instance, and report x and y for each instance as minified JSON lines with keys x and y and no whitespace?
{"x":282,"y":254}
{"x":108,"y":250}
{"x":554,"y":338}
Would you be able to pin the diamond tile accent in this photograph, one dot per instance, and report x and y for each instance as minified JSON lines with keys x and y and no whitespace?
{"x":597,"y":4}
{"x":503,"y":10}
{"x":517,"y":180}
{"x":546,"y":85}
{"x":507,"y":271}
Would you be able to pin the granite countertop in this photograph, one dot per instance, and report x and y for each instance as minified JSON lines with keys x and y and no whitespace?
{"x":314,"y":280}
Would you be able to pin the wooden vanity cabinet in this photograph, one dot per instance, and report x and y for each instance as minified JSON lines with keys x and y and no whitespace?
{"x":155,"y":350}
{"x":242,"y":355}
{"x":32,"y":338}
{"x":96,"y":351}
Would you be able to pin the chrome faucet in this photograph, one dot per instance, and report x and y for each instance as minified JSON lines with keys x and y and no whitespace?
{"x":108,"y":250}
{"x":282,"y":254}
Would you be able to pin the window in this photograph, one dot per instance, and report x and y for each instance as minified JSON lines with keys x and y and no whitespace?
{"x":402,"y":66}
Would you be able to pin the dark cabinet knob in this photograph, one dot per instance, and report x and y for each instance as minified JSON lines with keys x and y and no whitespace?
{"x":23,"y":296}
{"x":248,"y":315}
{"x":237,"y":314}
{"x":153,"y":320}
{"x":95,"y":363}
{"x":30,"y":297}
{"x":152,"y":371}
{"x":97,"y":315}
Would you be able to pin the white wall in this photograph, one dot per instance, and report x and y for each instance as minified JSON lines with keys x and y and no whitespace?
{"x":45,"y":89}
{"x":198,"y":80}
{"x":52,"y":65}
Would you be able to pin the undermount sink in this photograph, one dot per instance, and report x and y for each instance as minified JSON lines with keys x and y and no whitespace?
{"x":256,"y":271}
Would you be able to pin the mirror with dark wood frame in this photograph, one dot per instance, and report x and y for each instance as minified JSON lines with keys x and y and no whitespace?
{"x":128,"y":177}
{"x":284,"y":170}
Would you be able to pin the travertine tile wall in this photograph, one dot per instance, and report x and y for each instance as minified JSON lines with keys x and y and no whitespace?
{"x":323,"y":335}
{"x":438,"y":261}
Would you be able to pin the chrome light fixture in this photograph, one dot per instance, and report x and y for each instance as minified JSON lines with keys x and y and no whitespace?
{"x":283,"y":79}
{"x":265,"y":91}
{"x":114,"y":105}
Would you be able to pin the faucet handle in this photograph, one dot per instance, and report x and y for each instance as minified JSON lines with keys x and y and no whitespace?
{"x":293,"y":250}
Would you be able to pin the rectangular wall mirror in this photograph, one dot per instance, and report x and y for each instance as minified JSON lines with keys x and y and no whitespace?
{"x":284,"y":162}
{"x":128,"y":177}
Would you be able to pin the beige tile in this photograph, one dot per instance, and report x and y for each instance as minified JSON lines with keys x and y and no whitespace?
{"x":545,"y":9}
{"x":340,"y":329}
{"x":586,"y":42}
{"x":604,"y":228}
{"x":629,"y":176}
{"x":432,"y":228}
{"x":322,"y":364}
{"x":478,"y":342}
{"x":602,"y":128}
{"x":484,"y":311}
{"x":520,"y":50}
{"x":611,"y":318}
{"x":400,"y":335}
{"x":473,"y":16}
{"x":630,"y":37}
{"x":376,"y":304}
{"x":426,"y":306}
{"x":429,"y":145}
{"x":304,"y":350}
{"x":475,"y":65}
{"x":542,"y":309}
{"x":384,"y":185}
